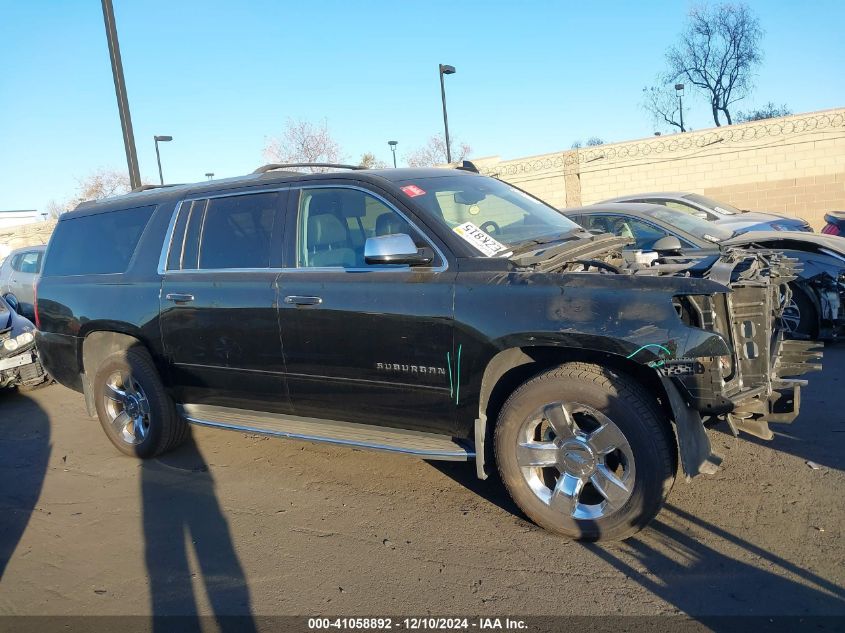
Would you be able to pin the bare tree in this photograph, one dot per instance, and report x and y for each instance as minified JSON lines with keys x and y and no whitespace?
{"x":661,"y":102}
{"x":369,"y":161}
{"x":434,"y":152}
{"x":99,"y":184}
{"x":304,"y":142}
{"x":768,"y":111}
{"x":717,"y":54}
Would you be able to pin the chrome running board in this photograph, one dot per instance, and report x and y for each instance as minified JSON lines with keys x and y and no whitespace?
{"x":363,"y":436}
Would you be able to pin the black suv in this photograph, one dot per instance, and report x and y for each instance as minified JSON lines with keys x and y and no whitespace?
{"x":434,"y":312}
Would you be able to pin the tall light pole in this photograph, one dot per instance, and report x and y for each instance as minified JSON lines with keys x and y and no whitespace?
{"x":393,"y":145}
{"x":446,"y":70}
{"x":162,"y":139}
{"x":120,"y":92}
{"x":679,"y":90}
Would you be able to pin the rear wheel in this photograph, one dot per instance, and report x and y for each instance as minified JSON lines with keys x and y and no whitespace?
{"x":585,"y":452}
{"x":134,"y":409}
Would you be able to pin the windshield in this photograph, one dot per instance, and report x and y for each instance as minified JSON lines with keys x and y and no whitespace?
{"x":702,"y":229}
{"x":719,"y":207}
{"x":478,"y":208}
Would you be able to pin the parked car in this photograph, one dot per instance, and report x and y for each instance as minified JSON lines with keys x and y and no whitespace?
{"x":835,"y":223}
{"x":19,"y":364}
{"x":726,"y":215}
{"x":817,"y":305}
{"x":432,"y":312}
{"x":17,"y":277}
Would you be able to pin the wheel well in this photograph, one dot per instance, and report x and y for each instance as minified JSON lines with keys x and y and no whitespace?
{"x":512,"y":367}
{"x":99,"y":345}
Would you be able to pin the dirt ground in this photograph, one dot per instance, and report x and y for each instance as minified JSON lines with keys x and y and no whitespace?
{"x":239,"y":524}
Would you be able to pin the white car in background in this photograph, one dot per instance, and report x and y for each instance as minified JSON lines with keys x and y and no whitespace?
{"x":18,"y":274}
{"x":723,"y":214}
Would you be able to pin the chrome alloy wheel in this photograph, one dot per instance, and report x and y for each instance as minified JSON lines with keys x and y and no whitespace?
{"x":576,"y":460}
{"x":127,"y":408}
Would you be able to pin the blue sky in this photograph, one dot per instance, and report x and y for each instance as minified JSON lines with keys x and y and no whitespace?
{"x":221,"y":77}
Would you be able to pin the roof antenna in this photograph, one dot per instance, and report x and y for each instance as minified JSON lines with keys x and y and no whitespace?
{"x":468,"y":166}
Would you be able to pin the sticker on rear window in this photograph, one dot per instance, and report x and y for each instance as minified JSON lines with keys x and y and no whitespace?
{"x":412,"y":191}
{"x":479,"y":239}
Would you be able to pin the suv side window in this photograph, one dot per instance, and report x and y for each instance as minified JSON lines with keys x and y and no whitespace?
{"x":100,"y":243}
{"x":333,"y":224}
{"x":227,"y":232}
{"x":237,"y":231}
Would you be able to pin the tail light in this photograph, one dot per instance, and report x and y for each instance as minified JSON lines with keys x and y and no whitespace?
{"x":831,"y":229}
{"x":35,"y":304}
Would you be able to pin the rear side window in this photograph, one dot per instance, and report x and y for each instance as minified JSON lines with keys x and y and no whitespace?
{"x":229,"y":232}
{"x":102,"y":243}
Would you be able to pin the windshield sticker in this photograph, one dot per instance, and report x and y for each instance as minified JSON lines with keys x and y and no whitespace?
{"x":479,"y":239}
{"x":412,"y":191}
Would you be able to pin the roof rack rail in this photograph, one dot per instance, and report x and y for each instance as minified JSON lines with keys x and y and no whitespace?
{"x":147,"y":187}
{"x":273,"y":166}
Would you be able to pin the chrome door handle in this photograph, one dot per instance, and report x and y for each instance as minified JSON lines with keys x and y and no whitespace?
{"x":303,"y":301}
{"x":178,"y":297}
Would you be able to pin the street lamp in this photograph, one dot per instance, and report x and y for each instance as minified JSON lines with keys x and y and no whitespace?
{"x":161,"y":139}
{"x":393,"y":145}
{"x":209,"y":174}
{"x":446,"y":70}
{"x":679,"y":90}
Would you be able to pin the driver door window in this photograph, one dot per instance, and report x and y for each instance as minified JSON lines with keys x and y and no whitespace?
{"x":334,"y":224}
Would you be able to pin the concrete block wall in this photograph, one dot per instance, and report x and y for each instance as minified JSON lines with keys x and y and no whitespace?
{"x":792,"y":165}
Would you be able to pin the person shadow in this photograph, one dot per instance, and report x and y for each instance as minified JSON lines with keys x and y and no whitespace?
{"x":181,"y":515}
{"x":24,"y":455}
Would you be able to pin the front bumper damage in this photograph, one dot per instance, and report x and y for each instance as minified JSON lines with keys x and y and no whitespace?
{"x":755,"y":386}
{"x":22,"y":369}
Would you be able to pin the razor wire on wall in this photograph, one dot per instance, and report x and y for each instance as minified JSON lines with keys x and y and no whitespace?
{"x":576,"y":160}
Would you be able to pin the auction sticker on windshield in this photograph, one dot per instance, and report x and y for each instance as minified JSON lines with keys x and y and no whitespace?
{"x":412,"y":191}
{"x":479,"y":239}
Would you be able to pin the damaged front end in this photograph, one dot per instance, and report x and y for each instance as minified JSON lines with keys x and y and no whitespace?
{"x":758,"y":385}
{"x":19,"y":363}
{"x":750,"y":378}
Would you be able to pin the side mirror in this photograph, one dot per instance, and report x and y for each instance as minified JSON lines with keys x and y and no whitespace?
{"x":13,"y":303}
{"x":398,"y":248}
{"x":667,"y":244}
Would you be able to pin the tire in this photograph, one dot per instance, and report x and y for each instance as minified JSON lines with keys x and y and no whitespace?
{"x":127,"y":383}
{"x":584,"y":398}
{"x":801,"y":306}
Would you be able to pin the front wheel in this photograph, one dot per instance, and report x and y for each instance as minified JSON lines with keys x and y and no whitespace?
{"x":585,"y":452}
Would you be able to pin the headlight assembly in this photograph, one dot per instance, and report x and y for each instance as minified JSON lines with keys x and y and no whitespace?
{"x":21,"y":340}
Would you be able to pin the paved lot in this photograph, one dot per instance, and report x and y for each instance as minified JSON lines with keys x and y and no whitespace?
{"x":235,"y":524}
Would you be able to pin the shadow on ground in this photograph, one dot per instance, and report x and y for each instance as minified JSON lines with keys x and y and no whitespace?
{"x":24,"y":454}
{"x":181,"y":515}
{"x":672,"y":560}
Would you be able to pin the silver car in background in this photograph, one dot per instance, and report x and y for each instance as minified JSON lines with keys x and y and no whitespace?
{"x":18,"y":274}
